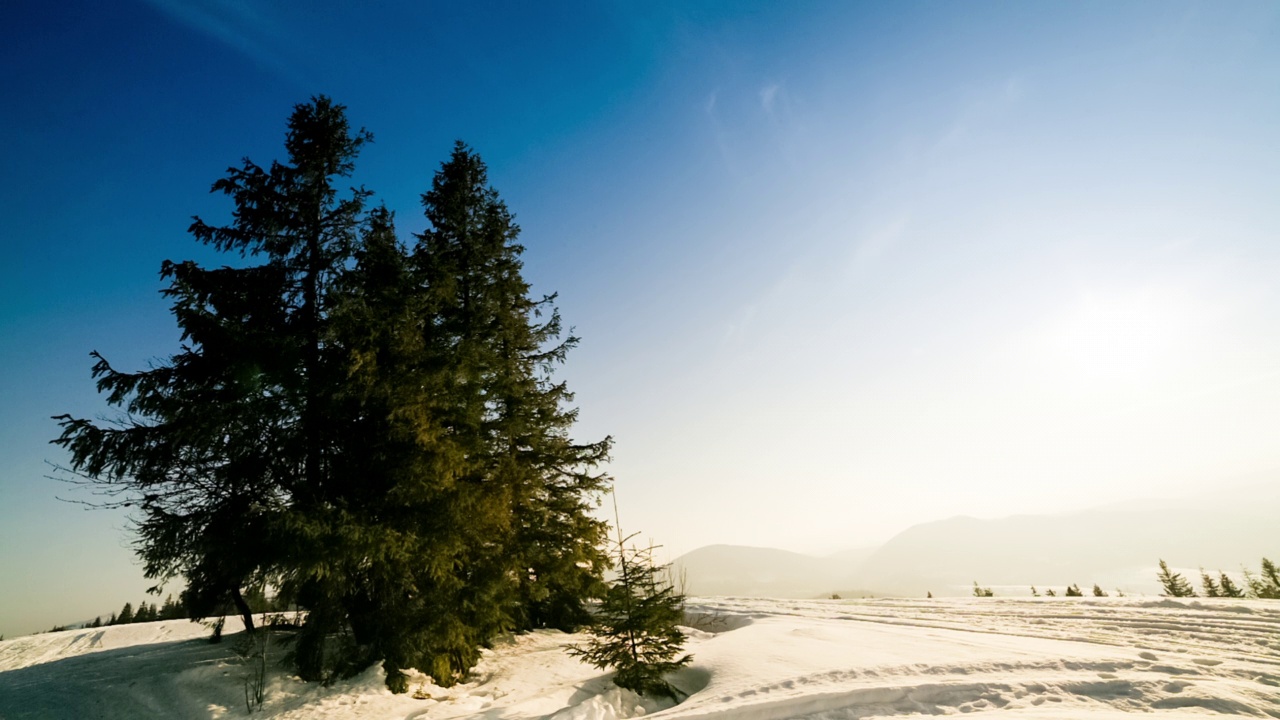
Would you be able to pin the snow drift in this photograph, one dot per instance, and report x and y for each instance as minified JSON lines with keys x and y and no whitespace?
{"x":753,"y":660}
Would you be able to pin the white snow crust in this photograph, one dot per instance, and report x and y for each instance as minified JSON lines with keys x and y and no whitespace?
{"x":754,"y":659}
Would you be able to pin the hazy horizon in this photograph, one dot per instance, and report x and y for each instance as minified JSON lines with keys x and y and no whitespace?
{"x":838,"y":268}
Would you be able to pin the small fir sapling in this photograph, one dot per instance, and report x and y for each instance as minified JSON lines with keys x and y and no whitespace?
{"x":1098,"y":591}
{"x":635,"y":629}
{"x":1211,"y":588}
{"x":1174,"y":584}
{"x":1266,"y":585}
{"x":1227,"y":588}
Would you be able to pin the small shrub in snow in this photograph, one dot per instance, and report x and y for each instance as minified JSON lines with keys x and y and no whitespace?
{"x":981,"y":591}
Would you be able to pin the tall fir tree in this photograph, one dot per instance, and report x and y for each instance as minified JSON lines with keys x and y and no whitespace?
{"x":509,"y":490}
{"x":223,"y":447}
{"x":371,"y":429}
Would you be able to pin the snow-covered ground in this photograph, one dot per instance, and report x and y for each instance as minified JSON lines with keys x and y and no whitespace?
{"x":1095,"y":658}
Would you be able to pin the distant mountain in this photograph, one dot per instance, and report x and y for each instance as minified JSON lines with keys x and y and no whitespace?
{"x":764,"y":572}
{"x":1115,"y":546}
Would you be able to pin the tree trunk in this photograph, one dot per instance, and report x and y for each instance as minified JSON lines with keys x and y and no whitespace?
{"x":245,"y":612}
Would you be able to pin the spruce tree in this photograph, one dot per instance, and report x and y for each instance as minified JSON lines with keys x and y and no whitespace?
{"x":510,"y":417}
{"x":1211,"y":587}
{"x":171,"y":610}
{"x":1266,"y":585}
{"x":222,"y":448}
{"x":1228,"y":588}
{"x":126,"y":614}
{"x":1073,"y":590}
{"x":1098,"y":591}
{"x":462,"y":444}
{"x":635,"y":630}
{"x":371,"y":429}
{"x":1174,"y":584}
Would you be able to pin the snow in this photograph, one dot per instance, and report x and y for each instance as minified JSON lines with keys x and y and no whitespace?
{"x":754,"y":659}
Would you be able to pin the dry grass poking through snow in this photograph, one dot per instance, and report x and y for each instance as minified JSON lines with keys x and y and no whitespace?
{"x":754,"y":660}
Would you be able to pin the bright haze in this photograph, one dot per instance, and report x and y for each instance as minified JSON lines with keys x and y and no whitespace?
{"x":838,"y":268}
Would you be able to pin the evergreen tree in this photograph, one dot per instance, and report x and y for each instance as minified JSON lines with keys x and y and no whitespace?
{"x":373,"y":430}
{"x":1227,"y":588}
{"x":1034,"y":592}
{"x":1050,"y":593}
{"x":981,"y":591}
{"x":222,"y":448}
{"x":1073,"y":590}
{"x":499,"y":347}
{"x":1265,"y":585}
{"x":223,"y":445}
{"x":1211,"y":587}
{"x":1174,"y":584}
{"x":171,"y":610}
{"x":635,"y":631}
{"x":97,"y":622}
{"x":126,"y":614}
{"x":470,"y":434}
{"x":1098,"y":591}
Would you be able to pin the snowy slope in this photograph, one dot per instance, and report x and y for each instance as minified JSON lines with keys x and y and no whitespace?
{"x":754,"y":660}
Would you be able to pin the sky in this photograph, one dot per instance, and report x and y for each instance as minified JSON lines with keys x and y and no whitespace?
{"x":838,"y":267}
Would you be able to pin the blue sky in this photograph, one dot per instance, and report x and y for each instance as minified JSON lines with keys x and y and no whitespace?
{"x":838,"y":267}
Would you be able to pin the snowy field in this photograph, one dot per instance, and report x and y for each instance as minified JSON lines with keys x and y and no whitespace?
{"x":753,"y":660}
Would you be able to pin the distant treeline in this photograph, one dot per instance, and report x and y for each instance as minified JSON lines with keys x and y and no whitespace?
{"x":171,"y":609}
{"x":1264,"y":585}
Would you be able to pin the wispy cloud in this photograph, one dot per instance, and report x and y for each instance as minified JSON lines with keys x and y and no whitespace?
{"x":718,"y":132}
{"x":874,"y":244}
{"x":983,"y":109}
{"x":768,"y":96}
{"x":242,"y":25}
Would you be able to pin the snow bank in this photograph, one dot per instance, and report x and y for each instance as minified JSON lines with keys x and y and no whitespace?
{"x":1043,"y":658}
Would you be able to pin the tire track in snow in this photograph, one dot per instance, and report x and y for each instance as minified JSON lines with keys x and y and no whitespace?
{"x":1190,"y":656}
